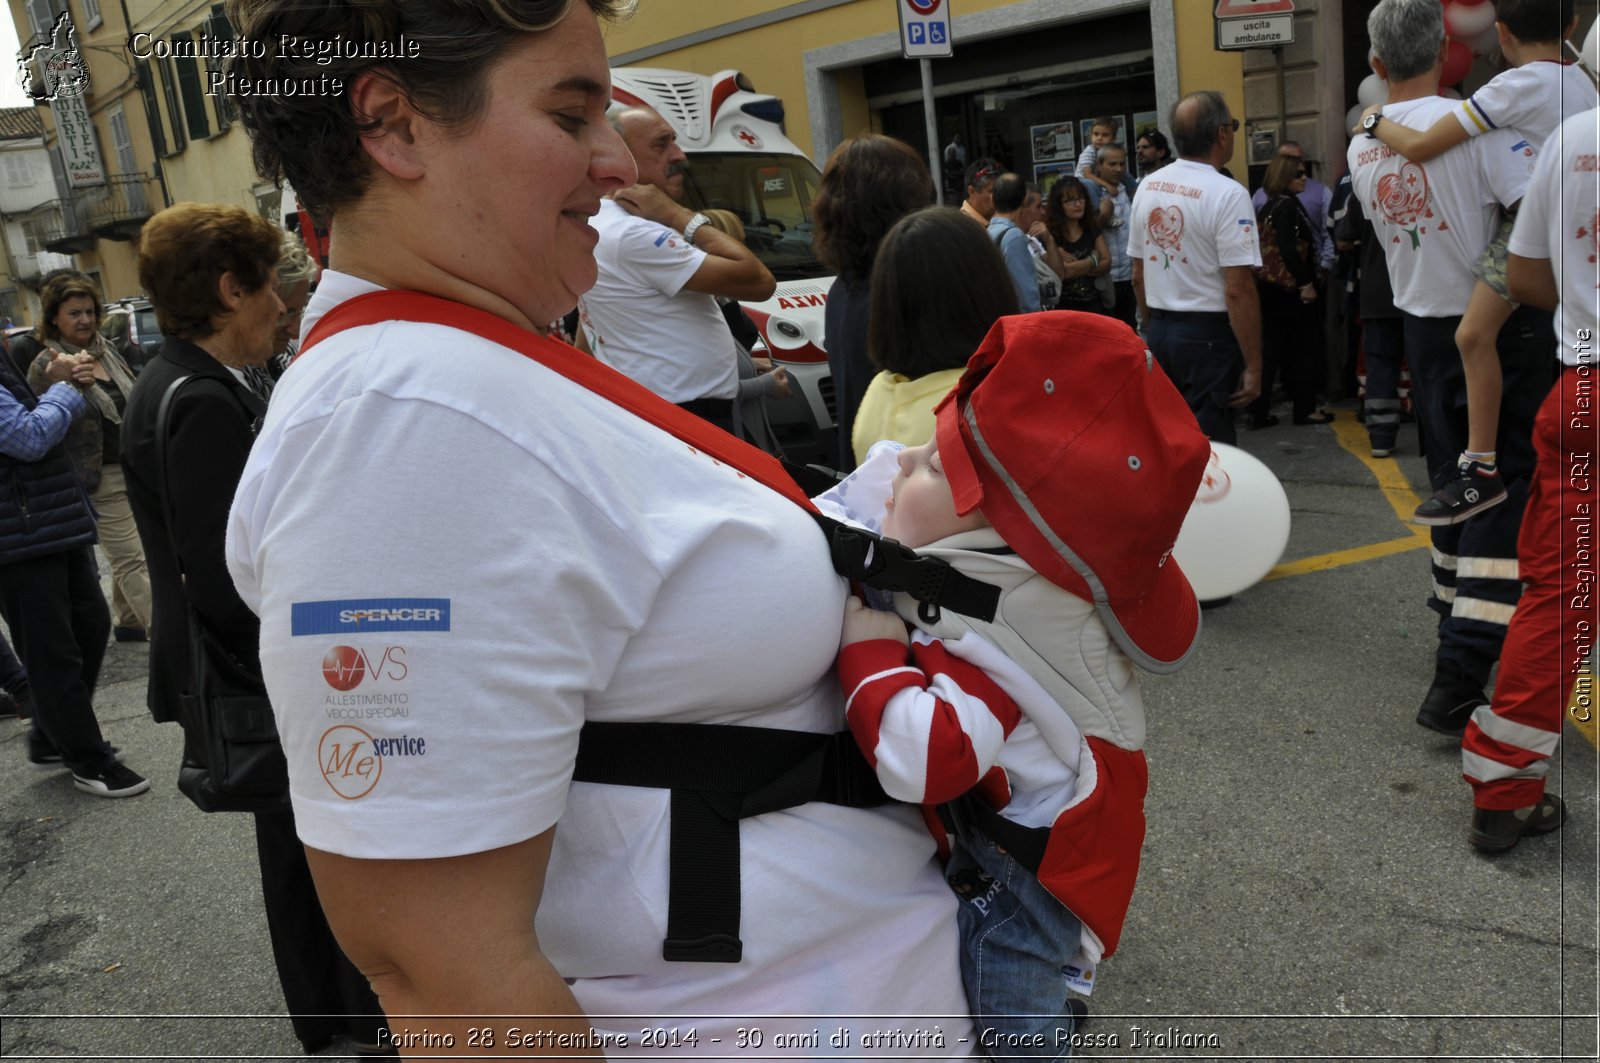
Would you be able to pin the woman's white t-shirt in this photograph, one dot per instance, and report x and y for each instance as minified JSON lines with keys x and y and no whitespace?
{"x":458,"y":557}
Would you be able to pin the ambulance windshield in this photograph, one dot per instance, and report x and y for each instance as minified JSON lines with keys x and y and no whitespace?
{"x":772,"y":196}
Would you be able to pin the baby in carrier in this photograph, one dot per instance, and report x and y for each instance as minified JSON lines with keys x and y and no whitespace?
{"x":1060,"y":472}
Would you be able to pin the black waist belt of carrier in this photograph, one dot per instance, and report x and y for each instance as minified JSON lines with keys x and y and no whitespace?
{"x":719,"y":775}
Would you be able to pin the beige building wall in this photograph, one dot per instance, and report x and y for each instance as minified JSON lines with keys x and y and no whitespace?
{"x":217,"y":168}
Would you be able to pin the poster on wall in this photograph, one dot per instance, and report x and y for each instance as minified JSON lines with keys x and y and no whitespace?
{"x":1047,"y":174}
{"x":1121,"y":137}
{"x":1145,"y":122}
{"x":1052,"y":143}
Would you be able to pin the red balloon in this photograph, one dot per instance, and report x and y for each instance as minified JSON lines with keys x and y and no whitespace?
{"x":1457,"y":61}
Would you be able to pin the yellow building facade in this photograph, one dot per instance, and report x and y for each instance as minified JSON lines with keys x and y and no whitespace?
{"x":204,"y":155}
{"x":1024,"y":77}
{"x":101,"y":156}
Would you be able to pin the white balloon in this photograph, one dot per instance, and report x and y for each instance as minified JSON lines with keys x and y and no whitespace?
{"x":1352,"y":119}
{"x":1373,"y":89}
{"x":1237,"y":526}
{"x":1468,"y":20}
{"x":1591,"y":48}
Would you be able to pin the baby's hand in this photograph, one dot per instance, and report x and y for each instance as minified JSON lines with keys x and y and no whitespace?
{"x":862,"y":624}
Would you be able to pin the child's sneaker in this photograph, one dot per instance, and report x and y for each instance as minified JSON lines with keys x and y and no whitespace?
{"x":1474,"y":488}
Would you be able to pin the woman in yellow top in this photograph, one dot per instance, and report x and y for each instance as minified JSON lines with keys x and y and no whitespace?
{"x":937,"y":286}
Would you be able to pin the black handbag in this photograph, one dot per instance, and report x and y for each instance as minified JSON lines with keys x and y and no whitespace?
{"x":233,"y":761}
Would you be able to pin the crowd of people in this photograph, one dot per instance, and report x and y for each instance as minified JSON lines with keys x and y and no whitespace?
{"x":569,"y":629}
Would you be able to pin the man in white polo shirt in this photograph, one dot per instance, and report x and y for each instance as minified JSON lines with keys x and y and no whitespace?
{"x":1433,"y":221}
{"x":1193,"y":242}
{"x":653,"y":312}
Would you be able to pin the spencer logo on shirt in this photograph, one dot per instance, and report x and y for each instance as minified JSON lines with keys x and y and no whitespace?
{"x":369,"y":616}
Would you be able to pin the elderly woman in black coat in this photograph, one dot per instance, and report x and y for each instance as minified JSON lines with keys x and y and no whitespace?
{"x":209,"y":270}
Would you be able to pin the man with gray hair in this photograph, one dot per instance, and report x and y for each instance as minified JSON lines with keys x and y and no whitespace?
{"x":1433,"y":222}
{"x":653,"y":312}
{"x":1192,"y":240}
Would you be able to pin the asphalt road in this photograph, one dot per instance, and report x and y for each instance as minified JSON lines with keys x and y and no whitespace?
{"x":1306,"y":892}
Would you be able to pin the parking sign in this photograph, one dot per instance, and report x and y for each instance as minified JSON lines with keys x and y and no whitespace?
{"x":925,"y":29}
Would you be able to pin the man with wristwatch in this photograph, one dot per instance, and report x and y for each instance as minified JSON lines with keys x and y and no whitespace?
{"x":653,"y":311}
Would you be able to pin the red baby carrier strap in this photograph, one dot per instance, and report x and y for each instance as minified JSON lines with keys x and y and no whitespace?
{"x":590,"y":373}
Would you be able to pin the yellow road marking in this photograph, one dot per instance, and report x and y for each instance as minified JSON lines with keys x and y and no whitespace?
{"x":1352,"y":436}
{"x":1323,"y":562}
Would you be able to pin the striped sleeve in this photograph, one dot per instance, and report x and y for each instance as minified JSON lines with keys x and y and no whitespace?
{"x":931,"y":724}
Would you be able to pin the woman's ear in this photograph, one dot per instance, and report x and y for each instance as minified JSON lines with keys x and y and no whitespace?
{"x":393,"y":145}
{"x":229,"y":291}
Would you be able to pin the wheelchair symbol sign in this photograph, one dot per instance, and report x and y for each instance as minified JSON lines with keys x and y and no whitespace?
{"x":926,"y":29}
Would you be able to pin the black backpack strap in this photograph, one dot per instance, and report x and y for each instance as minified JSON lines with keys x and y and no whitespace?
{"x":719,"y":775}
{"x":967,"y":816}
{"x":861,"y":556}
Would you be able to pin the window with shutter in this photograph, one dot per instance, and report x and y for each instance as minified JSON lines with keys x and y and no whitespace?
{"x":194,"y":97}
{"x":218,"y":28}
{"x":18,"y":170}
{"x":42,"y":14}
{"x":91,"y":13}
{"x":152,"y":107}
{"x":169,"y":89}
{"x":127,"y":161}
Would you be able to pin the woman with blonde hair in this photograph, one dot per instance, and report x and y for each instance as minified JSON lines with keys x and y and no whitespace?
{"x":71,"y":323}
{"x":1291,"y":330}
{"x":295,"y":274}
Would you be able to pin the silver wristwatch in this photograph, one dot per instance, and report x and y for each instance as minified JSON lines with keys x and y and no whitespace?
{"x":694,"y":226}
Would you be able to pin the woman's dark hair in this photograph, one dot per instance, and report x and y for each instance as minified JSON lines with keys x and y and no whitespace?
{"x":1281,"y":172}
{"x":312,"y":139}
{"x":871,"y":181}
{"x":1055,"y":209}
{"x":185,"y":250}
{"x":65,"y":285}
{"x":937,"y":287}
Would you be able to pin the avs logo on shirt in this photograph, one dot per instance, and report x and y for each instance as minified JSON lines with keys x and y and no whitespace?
{"x":364,"y":616}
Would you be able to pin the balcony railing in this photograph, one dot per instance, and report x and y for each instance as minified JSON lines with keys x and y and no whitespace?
{"x":112,"y":211}
{"x":60,"y":228}
{"x":123,"y":206}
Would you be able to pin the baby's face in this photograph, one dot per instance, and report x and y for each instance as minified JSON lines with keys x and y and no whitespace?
{"x":922,"y":510}
{"x":1101,"y":135}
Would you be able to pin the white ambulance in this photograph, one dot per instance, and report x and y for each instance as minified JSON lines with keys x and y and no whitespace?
{"x":741,"y":160}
